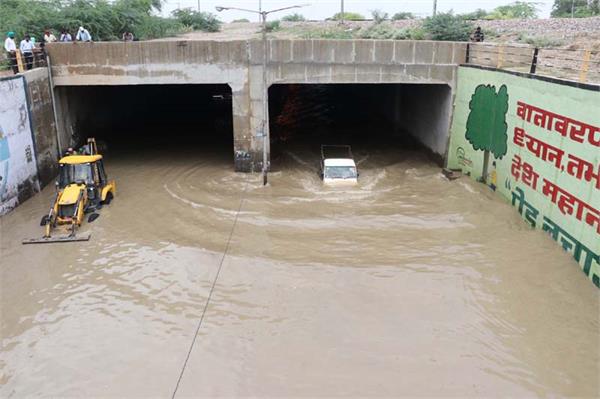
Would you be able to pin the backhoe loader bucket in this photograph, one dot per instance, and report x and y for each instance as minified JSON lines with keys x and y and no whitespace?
{"x":67,"y":238}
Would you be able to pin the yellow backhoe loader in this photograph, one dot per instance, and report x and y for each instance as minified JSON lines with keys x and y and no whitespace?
{"x":82,"y":188}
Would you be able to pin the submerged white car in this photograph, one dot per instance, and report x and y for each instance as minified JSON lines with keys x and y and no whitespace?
{"x":337,"y":165}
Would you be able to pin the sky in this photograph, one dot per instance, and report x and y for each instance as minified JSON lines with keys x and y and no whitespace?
{"x":321,"y":9}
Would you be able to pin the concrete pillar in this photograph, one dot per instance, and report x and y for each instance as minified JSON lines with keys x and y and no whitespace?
{"x":247,"y":105}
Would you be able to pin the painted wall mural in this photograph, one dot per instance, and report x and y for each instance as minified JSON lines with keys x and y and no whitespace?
{"x":486,"y":124}
{"x":18,"y":168}
{"x":541,"y":151}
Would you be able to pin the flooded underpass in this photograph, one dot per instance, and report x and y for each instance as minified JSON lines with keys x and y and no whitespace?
{"x":406,"y":284}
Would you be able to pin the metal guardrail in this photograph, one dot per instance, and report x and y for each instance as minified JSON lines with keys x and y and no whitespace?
{"x":13,"y":63}
{"x":576,"y":65}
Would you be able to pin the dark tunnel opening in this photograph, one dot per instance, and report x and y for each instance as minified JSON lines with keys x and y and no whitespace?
{"x":366,"y":116}
{"x":138,"y":117}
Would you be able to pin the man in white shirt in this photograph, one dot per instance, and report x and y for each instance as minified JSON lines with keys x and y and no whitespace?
{"x":49,"y":37}
{"x":83,"y":35}
{"x":26,"y":48}
{"x":11,"y":51}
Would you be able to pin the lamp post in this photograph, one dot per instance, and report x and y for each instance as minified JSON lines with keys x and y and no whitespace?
{"x":264,"y":123}
{"x":434,"y":8}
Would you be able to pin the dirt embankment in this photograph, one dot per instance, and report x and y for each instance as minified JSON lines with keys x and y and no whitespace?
{"x":578,"y":33}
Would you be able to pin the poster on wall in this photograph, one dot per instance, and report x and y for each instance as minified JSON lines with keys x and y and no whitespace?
{"x":537,"y":144}
{"x":18,"y":167}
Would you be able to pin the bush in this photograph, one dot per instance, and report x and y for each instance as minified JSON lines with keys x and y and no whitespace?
{"x":447,"y":26}
{"x":403,"y":15}
{"x":272,"y":26}
{"x":387,"y":31}
{"x":329,"y":33}
{"x":294,"y":18}
{"x":417,"y":34}
{"x":539,"y":41}
{"x":379,"y":16}
{"x":203,"y":21}
{"x":240,"y":20}
{"x":348,"y":16}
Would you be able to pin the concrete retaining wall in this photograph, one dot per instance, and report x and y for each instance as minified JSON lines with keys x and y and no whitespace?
{"x":543,"y":140}
{"x":28,"y":144}
{"x":42,"y":121}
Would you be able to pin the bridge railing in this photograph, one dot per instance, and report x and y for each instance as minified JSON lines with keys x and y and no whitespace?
{"x":17,"y":63}
{"x":577,"y":65}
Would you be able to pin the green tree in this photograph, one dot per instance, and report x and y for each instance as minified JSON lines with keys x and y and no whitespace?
{"x":447,"y":26}
{"x":403,"y":15}
{"x":106,"y":20}
{"x":580,"y":8}
{"x":486,"y":124}
{"x":516,"y":10}
{"x":479,"y":13}
{"x":197,"y":20}
{"x":379,"y":16}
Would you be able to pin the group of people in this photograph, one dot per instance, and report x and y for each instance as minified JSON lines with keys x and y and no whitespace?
{"x":27,"y":46}
{"x":83,"y":35}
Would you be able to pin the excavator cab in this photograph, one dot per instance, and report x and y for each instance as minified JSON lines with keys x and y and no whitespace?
{"x":88,"y":171}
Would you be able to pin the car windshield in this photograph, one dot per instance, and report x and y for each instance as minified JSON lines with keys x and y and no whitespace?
{"x":340,"y":172}
{"x":75,"y":173}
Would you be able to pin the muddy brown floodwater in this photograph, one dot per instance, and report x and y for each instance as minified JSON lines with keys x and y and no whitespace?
{"x":405,"y":285}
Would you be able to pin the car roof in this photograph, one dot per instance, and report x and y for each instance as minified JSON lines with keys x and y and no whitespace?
{"x":79,"y":159}
{"x":339,"y":162}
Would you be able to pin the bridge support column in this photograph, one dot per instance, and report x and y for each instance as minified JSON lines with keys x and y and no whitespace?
{"x":248,"y":136}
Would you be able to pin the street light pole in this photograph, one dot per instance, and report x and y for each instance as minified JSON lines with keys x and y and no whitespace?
{"x":198,"y":5}
{"x":434,"y":7}
{"x":573,"y":9}
{"x":264,"y":123}
{"x":264,"y":97}
{"x":342,"y":13}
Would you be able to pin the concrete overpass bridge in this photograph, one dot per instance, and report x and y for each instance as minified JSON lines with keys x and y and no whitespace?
{"x":412,"y":82}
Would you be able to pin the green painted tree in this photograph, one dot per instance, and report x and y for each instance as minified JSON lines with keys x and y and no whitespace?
{"x":486,"y":124}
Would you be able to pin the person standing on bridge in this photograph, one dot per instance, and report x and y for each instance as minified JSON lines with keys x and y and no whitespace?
{"x":11,"y":50}
{"x":65,"y":36}
{"x":49,"y":37}
{"x":127,"y":36}
{"x":83,"y":35}
{"x":26,"y":48}
{"x":477,"y":36}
